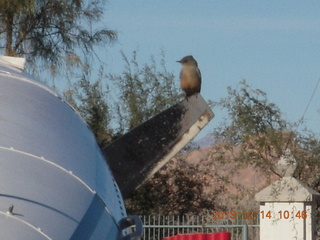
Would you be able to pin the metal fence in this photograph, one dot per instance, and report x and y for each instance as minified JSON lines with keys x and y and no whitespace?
{"x":241,"y":227}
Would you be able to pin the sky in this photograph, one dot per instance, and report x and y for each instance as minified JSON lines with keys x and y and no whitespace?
{"x":274,"y":45}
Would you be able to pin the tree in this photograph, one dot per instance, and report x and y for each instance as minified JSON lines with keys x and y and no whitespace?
{"x":137,"y":95}
{"x":56,"y":33}
{"x":179,"y":189}
{"x":90,"y":100}
{"x":254,"y":124}
{"x":255,"y":134}
{"x":143,"y":91}
{"x":9,"y":11}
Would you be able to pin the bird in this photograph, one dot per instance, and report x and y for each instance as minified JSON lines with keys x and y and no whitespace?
{"x":190,"y":76}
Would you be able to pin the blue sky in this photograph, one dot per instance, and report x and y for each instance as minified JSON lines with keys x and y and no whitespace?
{"x":274,"y":45}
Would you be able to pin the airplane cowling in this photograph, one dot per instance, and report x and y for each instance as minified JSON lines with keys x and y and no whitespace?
{"x":54,"y":180}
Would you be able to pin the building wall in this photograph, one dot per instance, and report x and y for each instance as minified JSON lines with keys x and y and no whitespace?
{"x":285,"y":220}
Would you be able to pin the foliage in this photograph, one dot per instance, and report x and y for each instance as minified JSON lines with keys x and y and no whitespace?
{"x":307,"y":152}
{"x":143,"y":91}
{"x":56,"y":33}
{"x":254,"y":124}
{"x":177,"y":189}
{"x":255,"y":134}
{"x":137,"y":95}
{"x":249,"y":113}
{"x":90,"y":100}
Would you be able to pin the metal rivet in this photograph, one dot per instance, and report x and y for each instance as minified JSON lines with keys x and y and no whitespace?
{"x":10,"y":210}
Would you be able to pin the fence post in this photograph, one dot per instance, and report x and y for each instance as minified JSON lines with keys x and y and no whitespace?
{"x":245,"y":232}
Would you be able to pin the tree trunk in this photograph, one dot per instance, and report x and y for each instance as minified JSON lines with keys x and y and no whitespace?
{"x":9,"y":24}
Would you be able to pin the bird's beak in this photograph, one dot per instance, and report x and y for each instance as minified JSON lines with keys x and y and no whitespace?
{"x":179,"y":61}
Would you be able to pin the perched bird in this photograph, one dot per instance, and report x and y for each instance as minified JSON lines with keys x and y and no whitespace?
{"x":190,"y":76}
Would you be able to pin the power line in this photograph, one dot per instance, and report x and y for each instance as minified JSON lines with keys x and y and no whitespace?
{"x":304,"y":113}
{"x":306,"y":109}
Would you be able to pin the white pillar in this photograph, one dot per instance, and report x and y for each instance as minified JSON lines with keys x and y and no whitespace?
{"x":287,"y":207}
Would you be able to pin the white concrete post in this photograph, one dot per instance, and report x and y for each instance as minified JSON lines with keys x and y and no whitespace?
{"x":288,"y":206}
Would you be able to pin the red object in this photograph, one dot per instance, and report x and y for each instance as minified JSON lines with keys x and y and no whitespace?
{"x":200,"y":236}
{"x":181,"y":237}
{"x":222,"y":236}
{"x":211,"y":236}
{"x":188,"y":236}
